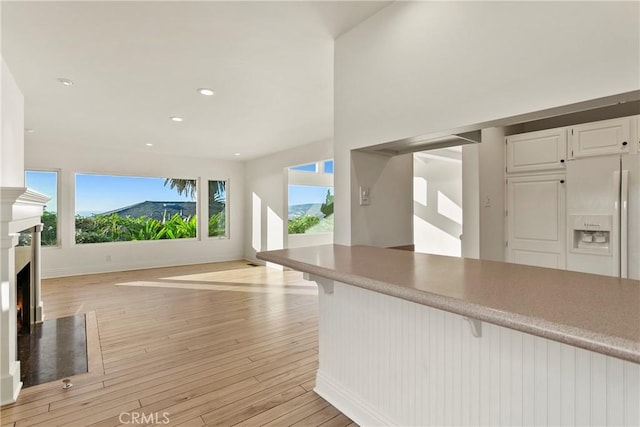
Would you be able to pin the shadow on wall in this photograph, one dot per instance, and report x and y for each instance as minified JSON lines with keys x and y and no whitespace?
{"x":437,"y":201}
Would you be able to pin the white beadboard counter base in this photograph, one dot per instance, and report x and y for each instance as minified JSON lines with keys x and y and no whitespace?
{"x":396,"y":354}
{"x":597,"y":313}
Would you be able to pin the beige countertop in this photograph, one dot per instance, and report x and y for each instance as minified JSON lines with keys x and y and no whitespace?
{"x":598,"y":313}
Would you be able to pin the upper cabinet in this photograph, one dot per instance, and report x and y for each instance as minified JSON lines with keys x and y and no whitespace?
{"x":537,"y":151}
{"x":600,"y":138}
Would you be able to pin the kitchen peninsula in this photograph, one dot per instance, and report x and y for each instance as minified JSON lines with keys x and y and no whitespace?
{"x":416,"y":339}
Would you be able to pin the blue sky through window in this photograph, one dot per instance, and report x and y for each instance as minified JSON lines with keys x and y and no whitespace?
{"x":311,"y":167}
{"x":102,"y":193}
{"x":45,"y":182}
{"x":328,"y":166}
{"x":303,"y":194}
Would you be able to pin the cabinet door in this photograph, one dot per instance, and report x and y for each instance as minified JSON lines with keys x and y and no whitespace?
{"x":536,"y":208}
{"x":600,"y":138}
{"x":536,"y":151}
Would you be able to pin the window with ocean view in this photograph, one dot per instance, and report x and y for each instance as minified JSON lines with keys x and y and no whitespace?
{"x":111,"y":208}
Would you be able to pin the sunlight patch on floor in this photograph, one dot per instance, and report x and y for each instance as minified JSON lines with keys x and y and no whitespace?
{"x":273,"y":276}
{"x":248,"y":280}
{"x":298,"y":289}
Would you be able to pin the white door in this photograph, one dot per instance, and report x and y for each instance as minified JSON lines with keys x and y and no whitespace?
{"x":537,"y":151}
{"x":600,"y":138}
{"x":536,"y":220}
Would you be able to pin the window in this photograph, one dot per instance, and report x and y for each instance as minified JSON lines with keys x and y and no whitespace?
{"x":311,"y":167}
{"x":217,"y":209}
{"x":45,"y":182}
{"x":126,"y":208}
{"x":310,"y":209}
{"x":328,"y":166}
{"x":311,"y":198}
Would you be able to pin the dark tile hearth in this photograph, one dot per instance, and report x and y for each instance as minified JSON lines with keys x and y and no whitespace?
{"x":56,"y":349}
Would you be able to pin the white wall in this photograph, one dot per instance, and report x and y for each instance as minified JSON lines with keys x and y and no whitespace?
{"x":265,"y":195}
{"x":437,"y":201}
{"x":417,"y":68}
{"x":12,"y":133}
{"x":470,"y":201}
{"x":71,"y":259}
{"x":491,"y":192}
{"x":387,"y":220}
{"x":11,"y":161}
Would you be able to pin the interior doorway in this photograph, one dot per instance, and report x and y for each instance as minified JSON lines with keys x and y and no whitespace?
{"x":437,"y":201}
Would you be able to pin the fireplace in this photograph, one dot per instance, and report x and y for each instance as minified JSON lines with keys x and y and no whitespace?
{"x":25,"y":295}
{"x":24,"y":309}
{"x":20,"y":210}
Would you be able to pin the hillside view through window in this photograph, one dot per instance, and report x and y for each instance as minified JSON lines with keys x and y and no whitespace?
{"x":128,"y":208}
{"x":310,"y":198}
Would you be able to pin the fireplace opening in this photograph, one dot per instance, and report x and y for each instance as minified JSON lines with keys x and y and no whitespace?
{"x":24,"y":299}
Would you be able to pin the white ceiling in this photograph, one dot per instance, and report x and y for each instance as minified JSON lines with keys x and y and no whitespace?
{"x":135,"y":64}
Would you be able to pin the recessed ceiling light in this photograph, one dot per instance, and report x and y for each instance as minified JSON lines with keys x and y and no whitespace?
{"x":237,"y":154}
{"x":206,"y":92}
{"x":65,"y":82}
{"x":176,"y":118}
{"x":29,"y":131}
{"x":148,"y":144}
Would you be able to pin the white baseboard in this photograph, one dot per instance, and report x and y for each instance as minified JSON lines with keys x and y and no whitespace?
{"x":77,"y":270}
{"x":348,"y":403}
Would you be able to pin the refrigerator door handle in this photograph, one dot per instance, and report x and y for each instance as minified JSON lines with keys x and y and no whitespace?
{"x":624,"y":224}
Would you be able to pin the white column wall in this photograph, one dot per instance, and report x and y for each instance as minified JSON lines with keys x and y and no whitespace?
{"x":491,"y":154}
{"x":11,"y":130}
{"x":470,"y":201}
{"x":11,"y":175}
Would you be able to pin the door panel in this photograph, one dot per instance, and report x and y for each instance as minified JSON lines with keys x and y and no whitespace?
{"x":535,"y":151}
{"x":536,"y":220}
{"x":600,"y":138}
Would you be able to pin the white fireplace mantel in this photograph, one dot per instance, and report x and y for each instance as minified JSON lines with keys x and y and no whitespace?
{"x":20,"y":209}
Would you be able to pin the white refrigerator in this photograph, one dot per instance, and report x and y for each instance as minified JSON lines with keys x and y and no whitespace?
{"x":603,"y":215}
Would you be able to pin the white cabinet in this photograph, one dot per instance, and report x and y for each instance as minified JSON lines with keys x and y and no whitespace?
{"x":601,"y":138}
{"x":536,"y":225}
{"x":537,"y":151}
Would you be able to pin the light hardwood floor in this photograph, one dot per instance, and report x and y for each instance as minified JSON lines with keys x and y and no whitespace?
{"x":212,"y":344}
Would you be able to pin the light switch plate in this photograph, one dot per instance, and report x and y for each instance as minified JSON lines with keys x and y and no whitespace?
{"x":364,"y":196}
